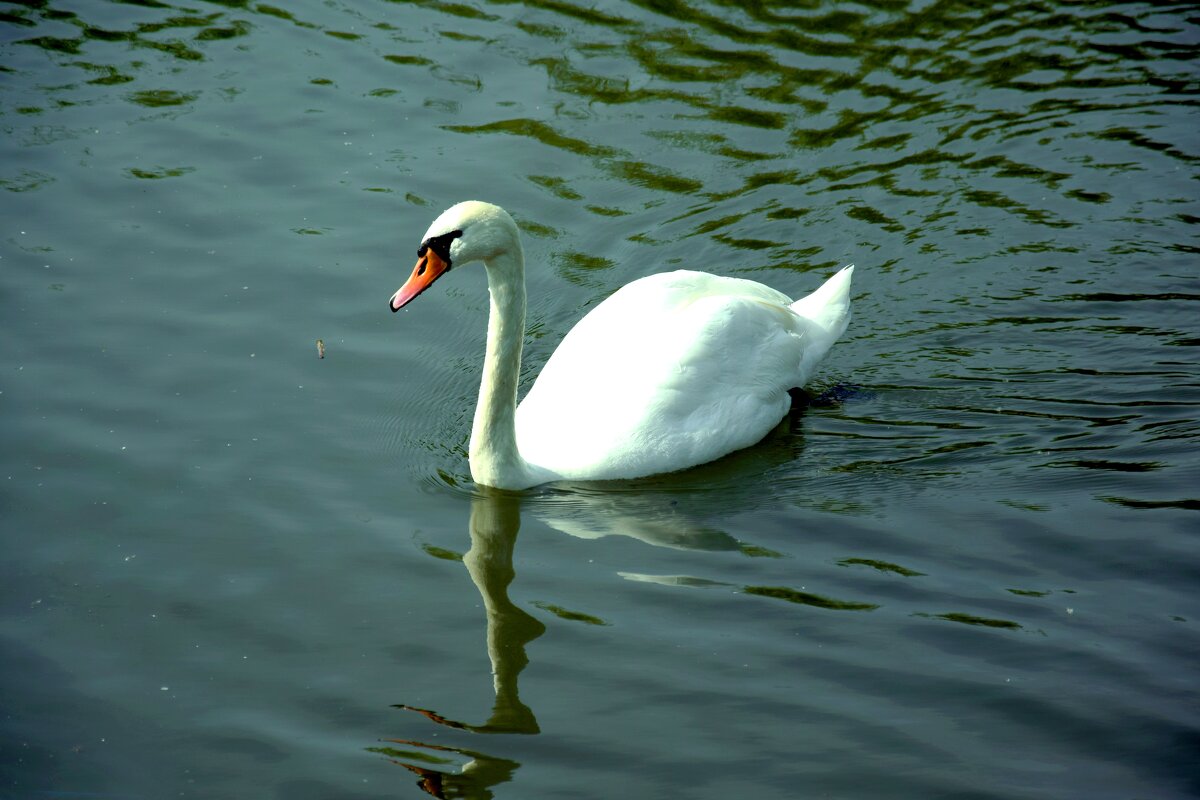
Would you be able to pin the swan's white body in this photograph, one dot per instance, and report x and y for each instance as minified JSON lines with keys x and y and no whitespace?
{"x":671,"y":371}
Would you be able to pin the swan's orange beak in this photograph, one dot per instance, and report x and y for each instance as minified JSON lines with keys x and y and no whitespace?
{"x":429,"y":268}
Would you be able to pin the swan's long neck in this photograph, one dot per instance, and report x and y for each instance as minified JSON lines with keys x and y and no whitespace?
{"x":495,"y":460}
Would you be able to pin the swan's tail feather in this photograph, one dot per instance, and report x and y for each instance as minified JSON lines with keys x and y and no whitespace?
{"x":829,"y":305}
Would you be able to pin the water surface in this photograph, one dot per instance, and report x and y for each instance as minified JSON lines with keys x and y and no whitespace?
{"x":964,"y":565}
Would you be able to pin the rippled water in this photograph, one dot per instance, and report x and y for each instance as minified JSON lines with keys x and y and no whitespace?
{"x":965,"y":566}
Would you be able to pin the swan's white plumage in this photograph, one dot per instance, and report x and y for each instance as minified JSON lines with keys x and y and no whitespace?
{"x":673,"y":370}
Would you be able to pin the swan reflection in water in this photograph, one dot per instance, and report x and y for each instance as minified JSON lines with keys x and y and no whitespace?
{"x":495,"y":521}
{"x":655,"y":511}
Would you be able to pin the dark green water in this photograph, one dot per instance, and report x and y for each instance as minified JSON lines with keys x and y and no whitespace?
{"x":233,"y":569}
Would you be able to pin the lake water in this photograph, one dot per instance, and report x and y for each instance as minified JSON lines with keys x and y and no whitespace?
{"x":965,"y":567}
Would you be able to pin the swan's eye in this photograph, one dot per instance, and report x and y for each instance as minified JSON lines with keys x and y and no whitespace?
{"x":439,"y":245}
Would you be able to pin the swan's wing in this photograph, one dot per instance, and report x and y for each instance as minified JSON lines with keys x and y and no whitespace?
{"x":669,"y":372}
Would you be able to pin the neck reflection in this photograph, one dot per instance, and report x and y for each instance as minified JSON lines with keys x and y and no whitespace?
{"x":495,"y":522}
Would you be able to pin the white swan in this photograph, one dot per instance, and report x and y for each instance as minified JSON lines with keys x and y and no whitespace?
{"x":671,"y":371}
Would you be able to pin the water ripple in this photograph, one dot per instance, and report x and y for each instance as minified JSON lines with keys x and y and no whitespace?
{"x":996,"y":469}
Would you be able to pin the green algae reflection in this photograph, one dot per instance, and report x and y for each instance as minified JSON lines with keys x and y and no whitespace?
{"x":971,"y":619}
{"x":573,"y":616}
{"x":808,"y":599}
{"x":882,"y":566}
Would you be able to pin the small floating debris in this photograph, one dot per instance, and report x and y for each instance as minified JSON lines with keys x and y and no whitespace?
{"x":320,"y":348}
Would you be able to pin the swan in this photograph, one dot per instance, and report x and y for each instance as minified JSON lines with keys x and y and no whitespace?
{"x":671,"y":371}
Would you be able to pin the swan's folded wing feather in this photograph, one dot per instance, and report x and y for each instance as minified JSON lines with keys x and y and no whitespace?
{"x":670,"y":372}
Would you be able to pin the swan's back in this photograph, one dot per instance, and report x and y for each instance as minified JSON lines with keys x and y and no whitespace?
{"x":675,"y":370}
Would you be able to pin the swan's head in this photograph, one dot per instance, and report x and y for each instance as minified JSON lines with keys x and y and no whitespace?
{"x":470,"y":231}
